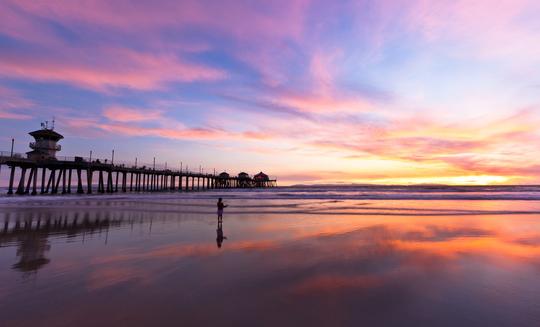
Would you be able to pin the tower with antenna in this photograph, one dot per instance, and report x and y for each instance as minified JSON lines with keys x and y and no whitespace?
{"x":45,"y":145}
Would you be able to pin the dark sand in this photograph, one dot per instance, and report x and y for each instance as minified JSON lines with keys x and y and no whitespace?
{"x":156,"y":261}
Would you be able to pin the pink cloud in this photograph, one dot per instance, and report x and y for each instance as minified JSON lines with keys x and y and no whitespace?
{"x":323,"y":70}
{"x":12,"y":103}
{"x":323,"y":103}
{"x":15,"y":24}
{"x":128,"y":127}
{"x":272,"y":19}
{"x":318,"y":90}
{"x":106,"y":68}
{"x":126,"y":114}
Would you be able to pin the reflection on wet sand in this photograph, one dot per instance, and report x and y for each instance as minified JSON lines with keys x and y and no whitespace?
{"x":30,"y":232}
{"x":274,"y":270}
{"x":219,"y":232}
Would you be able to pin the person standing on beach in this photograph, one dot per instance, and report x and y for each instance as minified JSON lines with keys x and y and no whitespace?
{"x":220,"y":207}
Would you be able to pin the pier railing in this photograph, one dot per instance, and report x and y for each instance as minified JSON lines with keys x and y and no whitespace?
{"x":7,"y":155}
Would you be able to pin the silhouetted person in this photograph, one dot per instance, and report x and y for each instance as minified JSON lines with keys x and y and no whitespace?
{"x":220,"y":207}
{"x":219,"y":231}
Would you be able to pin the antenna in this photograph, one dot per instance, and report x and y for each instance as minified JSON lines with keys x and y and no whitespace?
{"x":52,"y":127}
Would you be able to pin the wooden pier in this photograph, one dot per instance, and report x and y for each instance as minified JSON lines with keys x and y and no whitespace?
{"x":80,"y":175}
{"x":40,"y":171}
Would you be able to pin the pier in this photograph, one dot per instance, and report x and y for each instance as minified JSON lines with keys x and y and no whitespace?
{"x":40,"y":171}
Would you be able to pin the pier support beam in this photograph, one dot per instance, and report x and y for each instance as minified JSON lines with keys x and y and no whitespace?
{"x":52,"y":179}
{"x":79,"y":182}
{"x":29,"y":183}
{"x":64,"y":190}
{"x":89,"y":177}
{"x":43,"y":173}
{"x":34,"y":183}
{"x":56,"y":184}
{"x":69,"y":181}
{"x":20,"y":189}
{"x":11,"y":180}
{"x":109,"y":181}
{"x":101,"y":187}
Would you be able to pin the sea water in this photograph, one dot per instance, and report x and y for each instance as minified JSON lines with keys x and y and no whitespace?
{"x":317,"y":255}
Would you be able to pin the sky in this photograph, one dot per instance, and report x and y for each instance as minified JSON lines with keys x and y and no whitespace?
{"x":310,"y":92}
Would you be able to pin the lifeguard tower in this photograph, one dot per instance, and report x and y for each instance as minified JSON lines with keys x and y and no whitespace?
{"x":44,"y":147}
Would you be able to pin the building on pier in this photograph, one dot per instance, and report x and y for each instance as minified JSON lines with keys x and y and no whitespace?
{"x":223,"y":180}
{"x":45,"y":144}
{"x":261,"y":179}
{"x":244,"y":180}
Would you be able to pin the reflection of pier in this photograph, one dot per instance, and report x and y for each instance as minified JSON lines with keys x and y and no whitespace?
{"x":40,"y":171}
{"x":31,"y":236}
{"x":31,"y":232}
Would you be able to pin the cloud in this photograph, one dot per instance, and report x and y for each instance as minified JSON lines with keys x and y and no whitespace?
{"x":126,"y":114}
{"x":12,"y":103}
{"x":278,"y":18}
{"x":357,"y":86}
{"x":130,"y":123}
{"x":106,"y":68}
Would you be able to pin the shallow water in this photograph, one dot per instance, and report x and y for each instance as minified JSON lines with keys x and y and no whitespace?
{"x":158,"y":260}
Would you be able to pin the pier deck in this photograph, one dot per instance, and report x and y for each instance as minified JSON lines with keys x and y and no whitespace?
{"x":78,"y":175}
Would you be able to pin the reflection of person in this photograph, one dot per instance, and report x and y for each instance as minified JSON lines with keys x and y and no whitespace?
{"x":219,"y":231}
{"x":220,"y":207}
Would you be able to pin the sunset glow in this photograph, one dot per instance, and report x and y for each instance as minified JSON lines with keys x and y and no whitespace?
{"x":382,"y":92}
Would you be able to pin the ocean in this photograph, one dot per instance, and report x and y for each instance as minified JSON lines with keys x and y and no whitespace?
{"x":292,"y":256}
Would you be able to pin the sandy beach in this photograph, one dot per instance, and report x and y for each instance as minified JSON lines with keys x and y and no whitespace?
{"x":163,"y":259}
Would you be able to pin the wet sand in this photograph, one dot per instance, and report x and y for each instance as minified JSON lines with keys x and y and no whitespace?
{"x":161,"y":260}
